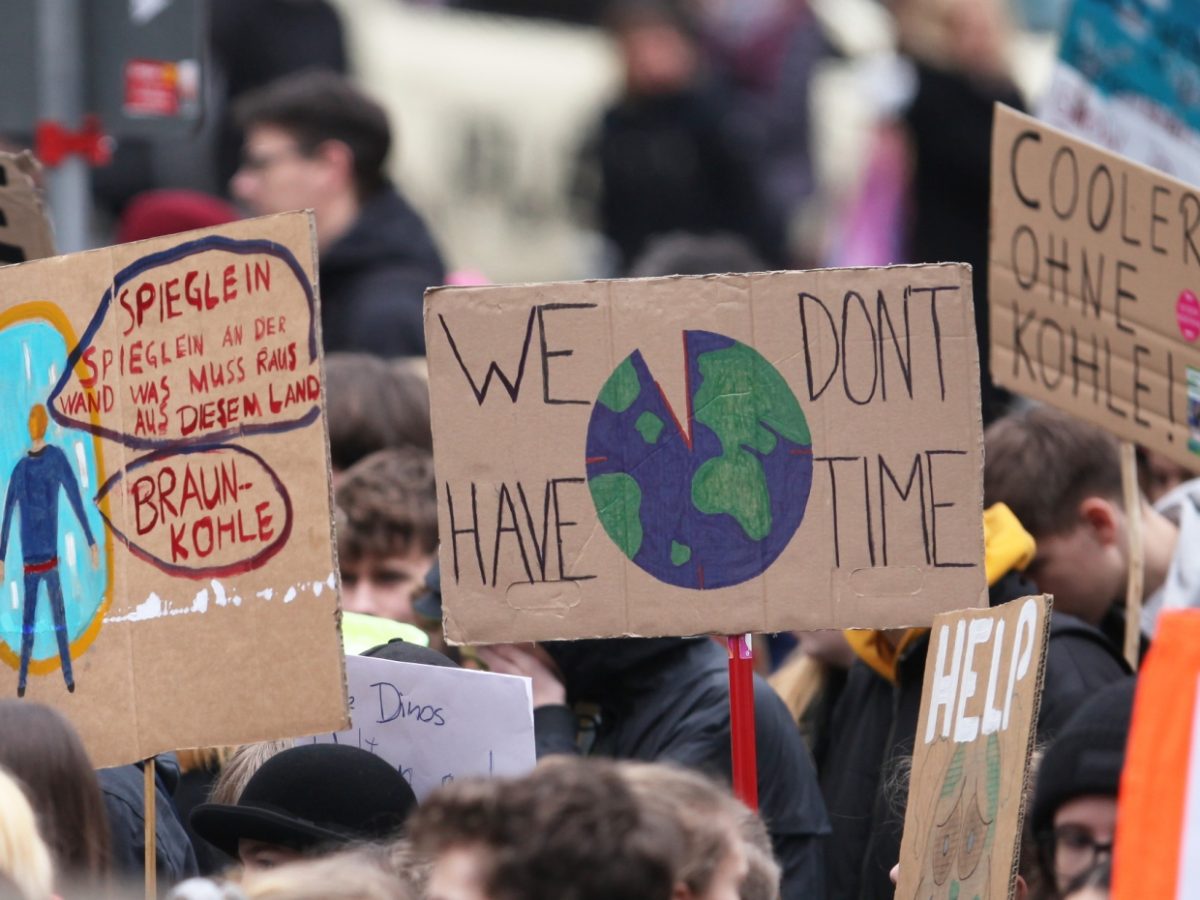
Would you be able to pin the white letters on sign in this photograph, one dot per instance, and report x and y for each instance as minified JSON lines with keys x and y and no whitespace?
{"x":957,"y":707}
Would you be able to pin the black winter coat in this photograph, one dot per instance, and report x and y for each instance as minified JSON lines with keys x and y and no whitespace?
{"x":675,"y":163}
{"x":863,"y":773}
{"x":667,"y":700}
{"x":123,"y":789}
{"x":373,"y":280}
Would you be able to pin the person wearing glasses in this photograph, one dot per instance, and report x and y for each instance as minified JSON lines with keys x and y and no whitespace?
{"x":315,"y":141}
{"x":1074,"y":811}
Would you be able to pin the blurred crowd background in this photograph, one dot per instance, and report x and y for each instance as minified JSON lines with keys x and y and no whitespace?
{"x":551,"y":139}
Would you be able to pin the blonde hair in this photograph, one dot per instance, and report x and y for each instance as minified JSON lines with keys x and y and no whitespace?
{"x":240,"y":768}
{"x":351,"y":875}
{"x":24,"y":857}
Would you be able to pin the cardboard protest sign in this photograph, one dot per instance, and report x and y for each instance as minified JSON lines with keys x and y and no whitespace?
{"x":438,"y":723}
{"x":1157,"y":850}
{"x":24,"y":228}
{"x":1126,"y":78}
{"x":975,"y":736}
{"x":1095,"y":269}
{"x":168,"y":577}
{"x":735,"y":453}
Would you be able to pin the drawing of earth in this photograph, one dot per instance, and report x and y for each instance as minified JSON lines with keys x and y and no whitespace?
{"x":709,"y":499}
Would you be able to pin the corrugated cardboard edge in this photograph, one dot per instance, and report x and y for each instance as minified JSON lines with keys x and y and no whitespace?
{"x":333,"y":544}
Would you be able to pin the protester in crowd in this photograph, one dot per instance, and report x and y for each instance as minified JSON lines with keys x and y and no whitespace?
{"x":874,"y":722}
{"x":713,"y":860}
{"x":810,"y":681}
{"x":667,"y":700}
{"x":668,"y":154}
{"x":43,"y":752}
{"x":159,"y":213}
{"x":387,"y":533}
{"x":315,"y":141}
{"x":305,"y":802}
{"x":1074,"y":810}
{"x":124,"y":790}
{"x":959,"y":55}
{"x":573,"y":829}
{"x":256,"y":42}
{"x":1062,"y":478}
{"x":373,"y":404}
{"x":768,"y":52}
{"x":24,"y":858}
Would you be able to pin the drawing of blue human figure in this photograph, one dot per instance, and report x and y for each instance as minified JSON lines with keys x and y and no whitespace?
{"x":33,"y":490}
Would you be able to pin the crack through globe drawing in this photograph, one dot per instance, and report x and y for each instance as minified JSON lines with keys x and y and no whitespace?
{"x":711,"y":498}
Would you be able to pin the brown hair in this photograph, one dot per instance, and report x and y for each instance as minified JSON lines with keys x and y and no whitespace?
{"x":572,"y":828}
{"x":374,"y":404}
{"x":40,"y":748}
{"x":387,"y":505}
{"x":1043,"y":463}
{"x":708,"y":817}
{"x":319,"y":106}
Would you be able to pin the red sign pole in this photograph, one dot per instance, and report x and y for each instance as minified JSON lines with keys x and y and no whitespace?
{"x":741,"y":719}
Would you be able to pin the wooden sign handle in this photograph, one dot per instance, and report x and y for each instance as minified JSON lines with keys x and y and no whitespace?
{"x":1137,"y":557}
{"x":150,"y":830}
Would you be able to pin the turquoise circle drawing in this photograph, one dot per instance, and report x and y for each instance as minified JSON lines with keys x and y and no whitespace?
{"x":35,"y":352}
{"x":711,"y":498}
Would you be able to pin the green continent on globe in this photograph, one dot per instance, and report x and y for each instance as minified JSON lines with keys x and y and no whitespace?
{"x":621,"y":389}
{"x":680,"y":553}
{"x":650,"y":426}
{"x":618,"y":502}
{"x":740,"y":394}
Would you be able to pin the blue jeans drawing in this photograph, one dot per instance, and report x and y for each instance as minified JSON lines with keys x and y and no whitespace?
{"x":55,"y":596}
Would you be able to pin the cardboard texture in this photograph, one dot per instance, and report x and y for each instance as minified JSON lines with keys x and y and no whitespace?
{"x":25,"y":232}
{"x":436,"y":723}
{"x":1157,"y":852}
{"x":717,"y":454}
{"x":975,"y":736}
{"x":179,"y":499}
{"x":1093,"y":286}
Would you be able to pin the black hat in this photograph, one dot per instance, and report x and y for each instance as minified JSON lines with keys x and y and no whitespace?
{"x":1087,"y":756}
{"x":399,"y":650}
{"x":311,"y":795}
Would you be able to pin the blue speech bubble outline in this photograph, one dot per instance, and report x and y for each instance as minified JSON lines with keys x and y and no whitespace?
{"x":163,"y":257}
